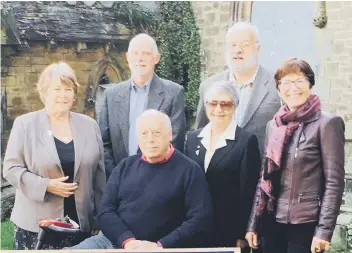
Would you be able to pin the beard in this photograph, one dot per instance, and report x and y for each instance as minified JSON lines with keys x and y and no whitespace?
{"x":247,"y":64}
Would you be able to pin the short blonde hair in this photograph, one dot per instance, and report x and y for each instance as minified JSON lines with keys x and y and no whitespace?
{"x":54,"y":73}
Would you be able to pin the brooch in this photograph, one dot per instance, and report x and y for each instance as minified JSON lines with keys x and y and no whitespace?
{"x":197,"y":151}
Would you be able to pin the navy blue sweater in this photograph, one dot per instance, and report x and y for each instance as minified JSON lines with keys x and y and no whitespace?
{"x":167,"y":202}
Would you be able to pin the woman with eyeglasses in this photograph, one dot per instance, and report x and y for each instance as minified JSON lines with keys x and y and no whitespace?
{"x":230,"y":159}
{"x":299,"y":194}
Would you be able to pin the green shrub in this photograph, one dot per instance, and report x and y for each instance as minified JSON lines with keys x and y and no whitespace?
{"x":179,"y":41}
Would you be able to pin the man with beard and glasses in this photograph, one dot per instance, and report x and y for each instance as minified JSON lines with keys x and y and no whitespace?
{"x":258,"y":98}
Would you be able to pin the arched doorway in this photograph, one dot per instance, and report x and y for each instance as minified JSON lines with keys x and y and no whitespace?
{"x":106,"y":72}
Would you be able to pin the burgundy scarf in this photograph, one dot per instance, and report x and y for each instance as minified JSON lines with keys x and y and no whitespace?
{"x":286,"y":123}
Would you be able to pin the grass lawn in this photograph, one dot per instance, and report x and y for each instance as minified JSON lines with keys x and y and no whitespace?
{"x":6,"y":235}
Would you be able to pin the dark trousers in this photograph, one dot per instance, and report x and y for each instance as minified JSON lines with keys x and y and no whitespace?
{"x":288,"y":238}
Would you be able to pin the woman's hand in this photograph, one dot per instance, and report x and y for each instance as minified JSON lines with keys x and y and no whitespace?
{"x":58,"y":187}
{"x":252,"y":239}
{"x":319,"y":245}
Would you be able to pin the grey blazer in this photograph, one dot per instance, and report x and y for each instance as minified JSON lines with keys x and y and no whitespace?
{"x":31,"y":160}
{"x":164,"y":95}
{"x":264,"y":104}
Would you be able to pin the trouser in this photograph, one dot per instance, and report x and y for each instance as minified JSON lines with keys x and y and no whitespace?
{"x":288,"y":238}
{"x":98,"y":241}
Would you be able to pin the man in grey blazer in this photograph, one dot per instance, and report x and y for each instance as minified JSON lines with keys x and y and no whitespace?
{"x":125,"y":101}
{"x":255,"y":86}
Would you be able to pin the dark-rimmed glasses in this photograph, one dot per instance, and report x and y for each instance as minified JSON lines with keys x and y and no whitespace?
{"x":299,"y":83}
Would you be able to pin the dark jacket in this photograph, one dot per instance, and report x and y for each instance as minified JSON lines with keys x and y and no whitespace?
{"x":312,"y":180}
{"x":232,"y":176}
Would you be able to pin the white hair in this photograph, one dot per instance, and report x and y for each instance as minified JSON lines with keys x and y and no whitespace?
{"x":147,"y":38}
{"x":154,"y":113}
{"x":222,"y":87}
{"x":241,"y":26}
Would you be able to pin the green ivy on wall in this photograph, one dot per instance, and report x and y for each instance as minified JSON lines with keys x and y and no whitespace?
{"x":179,"y":44}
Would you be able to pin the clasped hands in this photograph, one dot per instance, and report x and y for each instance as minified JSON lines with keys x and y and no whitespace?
{"x":58,"y":187}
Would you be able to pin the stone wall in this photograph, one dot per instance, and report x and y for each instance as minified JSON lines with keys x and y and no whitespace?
{"x":334,"y":43}
{"x":212,"y":20}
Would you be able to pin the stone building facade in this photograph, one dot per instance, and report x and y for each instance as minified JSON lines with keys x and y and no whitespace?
{"x":326,"y":46}
{"x":21,"y":74}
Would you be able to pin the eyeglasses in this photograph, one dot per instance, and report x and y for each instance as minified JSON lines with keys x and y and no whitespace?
{"x":299,"y":83}
{"x":224,"y":105}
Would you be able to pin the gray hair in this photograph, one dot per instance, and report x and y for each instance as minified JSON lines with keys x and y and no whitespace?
{"x":241,"y":26}
{"x":147,"y":38}
{"x":222,"y":87}
{"x":154,"y":113}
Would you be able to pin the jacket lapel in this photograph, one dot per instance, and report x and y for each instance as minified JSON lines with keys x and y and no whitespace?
{"x":259,"y":92}
{"x":200,"y":149}
{"x":222,"y":152}
{"x":122,"y":112}
{"x":47,"y":138}
{"x":79,"y":139}
{"x":156,"y":94}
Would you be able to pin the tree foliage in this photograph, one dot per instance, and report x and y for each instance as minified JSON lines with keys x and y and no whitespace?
{"x":179,"y":41}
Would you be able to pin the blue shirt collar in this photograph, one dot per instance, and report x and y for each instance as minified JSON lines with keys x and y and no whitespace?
{"x":145,"y":87}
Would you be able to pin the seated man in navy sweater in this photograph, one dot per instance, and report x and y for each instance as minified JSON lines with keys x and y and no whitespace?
{"x":157,"y":199}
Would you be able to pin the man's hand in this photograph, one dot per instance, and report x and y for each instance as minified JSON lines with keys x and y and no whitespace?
{"x":252,"y":239}
{"x":148,"y":245}
{"x":319,"y":245}
{"x":137,"y":244}
{"x":241,"y":243}
{"x":58,"y":187}
{"x":132,"y":244}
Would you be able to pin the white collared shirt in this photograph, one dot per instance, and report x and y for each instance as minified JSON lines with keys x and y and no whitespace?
{"x":244,"y":94}
{"x":205,"y":134}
